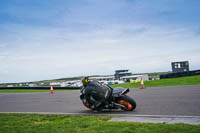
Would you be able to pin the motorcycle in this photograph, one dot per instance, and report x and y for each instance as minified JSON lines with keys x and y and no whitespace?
{"x":118,"y":100}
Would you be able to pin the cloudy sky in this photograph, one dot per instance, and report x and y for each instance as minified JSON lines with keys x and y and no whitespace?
{"x":48,"y":39}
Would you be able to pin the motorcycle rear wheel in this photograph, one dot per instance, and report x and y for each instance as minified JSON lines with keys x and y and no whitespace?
{"x":128,"y":102}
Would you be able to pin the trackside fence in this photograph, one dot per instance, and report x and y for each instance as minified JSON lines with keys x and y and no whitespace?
{"x":180,"y":74}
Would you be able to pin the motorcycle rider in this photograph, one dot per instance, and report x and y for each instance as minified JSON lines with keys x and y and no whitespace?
{"x":94,"y":94}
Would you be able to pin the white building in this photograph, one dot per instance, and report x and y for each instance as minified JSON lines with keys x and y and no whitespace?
{"x":9,"y":85}
{"x":136,"y":78}
{"x":54,"y":83}
{"x":32,"y":85}
{"x":103,"y":78}
{"x":73,"y":83}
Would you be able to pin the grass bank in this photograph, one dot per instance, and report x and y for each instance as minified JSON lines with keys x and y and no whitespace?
{"x":34,"y":123}
{"x":190,"y":80}
{"x":29,"y":90}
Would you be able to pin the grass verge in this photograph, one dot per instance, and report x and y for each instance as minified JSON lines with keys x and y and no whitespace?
{"x":190,"y":80}
{"x":35,"y":123}
{"x":29,"y":90}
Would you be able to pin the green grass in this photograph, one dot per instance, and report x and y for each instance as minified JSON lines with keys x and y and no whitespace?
{"x":190,"y":80}
{"x":34,"y":123}
{"x":30,"y":90}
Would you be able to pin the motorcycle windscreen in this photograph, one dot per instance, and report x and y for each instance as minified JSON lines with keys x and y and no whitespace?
{"x":120,"y":91}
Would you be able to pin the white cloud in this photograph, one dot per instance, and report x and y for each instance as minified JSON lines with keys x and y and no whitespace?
{"x":47,"y":53}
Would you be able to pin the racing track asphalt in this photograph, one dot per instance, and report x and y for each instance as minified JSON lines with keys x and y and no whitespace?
{"x":171,"y":100}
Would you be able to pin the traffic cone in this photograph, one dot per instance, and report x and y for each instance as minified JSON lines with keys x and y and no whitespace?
{"x":51,"y":90}
{"x":142,"y":84}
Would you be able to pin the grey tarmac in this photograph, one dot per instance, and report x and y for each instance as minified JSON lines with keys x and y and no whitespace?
{"x":170,"y":100}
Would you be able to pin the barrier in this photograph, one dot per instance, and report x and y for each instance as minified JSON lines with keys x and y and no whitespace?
{"x":51,"y":90}
{"x":142,"y":84}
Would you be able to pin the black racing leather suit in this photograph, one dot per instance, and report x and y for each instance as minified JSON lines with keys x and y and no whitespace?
{"x":96,"y":94}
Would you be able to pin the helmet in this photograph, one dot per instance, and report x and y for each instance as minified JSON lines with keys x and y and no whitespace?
{"x":85,"y":80}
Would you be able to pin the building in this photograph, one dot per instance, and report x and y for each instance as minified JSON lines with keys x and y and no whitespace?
{"x":55,"y":83}
{"x":121,"y":73}
{"x":135,"y":78}
{"x":103,"y":78}
{"x":10,"y":86}
{"x":182,"y":66}
{"x":107,"y":79}
{"x":32,"y":85}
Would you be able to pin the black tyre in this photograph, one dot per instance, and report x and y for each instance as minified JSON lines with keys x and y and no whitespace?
{"x":128,"y":102}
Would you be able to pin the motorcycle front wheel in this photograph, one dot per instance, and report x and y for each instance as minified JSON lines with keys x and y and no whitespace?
{"x":129,"y":103}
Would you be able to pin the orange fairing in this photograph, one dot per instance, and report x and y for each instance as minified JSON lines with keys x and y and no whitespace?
{"x":87,"y":105}
{"x":128,"y":105}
